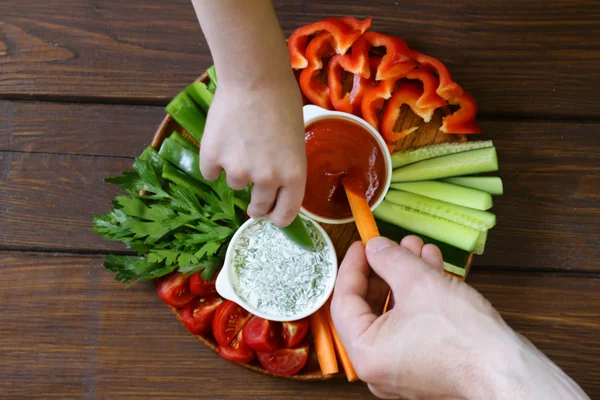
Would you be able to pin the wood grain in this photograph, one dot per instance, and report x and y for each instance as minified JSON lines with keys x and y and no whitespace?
{"x":73,"y":333}
{"x":548,"y":217}
{"x":523,"y":58}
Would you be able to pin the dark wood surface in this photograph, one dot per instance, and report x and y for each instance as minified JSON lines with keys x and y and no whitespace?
{"x":82,"y":85}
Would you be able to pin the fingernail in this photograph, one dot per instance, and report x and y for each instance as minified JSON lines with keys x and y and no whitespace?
{"x":377,"y":244}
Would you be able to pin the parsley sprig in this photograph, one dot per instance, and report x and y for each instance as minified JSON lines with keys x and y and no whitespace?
{"x":169,"y":226}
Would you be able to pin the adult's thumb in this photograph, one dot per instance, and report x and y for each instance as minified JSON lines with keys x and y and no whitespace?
{"x":394,"y":263}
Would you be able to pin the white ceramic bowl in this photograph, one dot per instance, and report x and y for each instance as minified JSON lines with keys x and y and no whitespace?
{"x":227,"y":279}
{"x":315,"y":113}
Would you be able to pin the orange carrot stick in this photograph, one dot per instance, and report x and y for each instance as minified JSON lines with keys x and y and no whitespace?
{"x":341,"y":351}
{"x":365,"y":222}
{"x":319,"y":327}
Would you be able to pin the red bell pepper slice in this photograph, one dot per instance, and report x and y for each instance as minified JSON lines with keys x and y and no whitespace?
{"x":343,"y":32}
{"x":357,"y":62}
{"x":429,"y":99}
{"x":349,"y":102}
{"x":461,"y":121}
{"x":396,"y":62}
{"x":357,"y":24}
{"x":407,"y":93}
{"x":447,"y":88}
{"x":311,"y":85}
{"x":373,"y":100}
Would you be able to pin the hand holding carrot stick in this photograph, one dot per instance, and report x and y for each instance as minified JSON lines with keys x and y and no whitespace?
{"x":441,"y":339}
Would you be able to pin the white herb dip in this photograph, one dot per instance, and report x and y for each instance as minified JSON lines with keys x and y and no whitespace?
{"x":276,"y":276}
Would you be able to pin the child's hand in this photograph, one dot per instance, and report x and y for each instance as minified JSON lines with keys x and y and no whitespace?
{"x":256,"y":134}
{"x":442,"y":339}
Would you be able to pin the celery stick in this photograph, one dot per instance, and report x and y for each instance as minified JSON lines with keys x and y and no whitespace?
{"x":176,"y":137}
{"x":187,"y":114}
{"x":200,"y":94}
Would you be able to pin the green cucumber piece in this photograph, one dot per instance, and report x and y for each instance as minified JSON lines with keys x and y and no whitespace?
{"x":448,"y":192}
{"x":465,"y":163}
{"x":409,"y":156}
{"x":187,"y":114}
{"x":490,"y":184}
{"x":437,"y":228}
{"x":450,"y":253}
{"x":176,"y":137}
{"x":480,"y":244}
{"x":297,"y":233}
{"x":201,"y":95}
{"x":476,"y":219}
{"x":460,"y":271}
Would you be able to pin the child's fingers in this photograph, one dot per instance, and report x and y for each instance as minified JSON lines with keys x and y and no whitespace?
{"x":263,"y":199}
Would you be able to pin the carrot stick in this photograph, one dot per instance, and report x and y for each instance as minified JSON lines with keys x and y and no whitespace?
{"x":341,"y":351}
{"x":365,"y":222}
{"x":319,"y":327}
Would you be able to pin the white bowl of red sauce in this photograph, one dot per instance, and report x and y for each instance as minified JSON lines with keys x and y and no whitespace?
{"x":337,"y":143}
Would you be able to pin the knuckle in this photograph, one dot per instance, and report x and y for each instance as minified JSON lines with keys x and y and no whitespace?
{"x":265,"y":177}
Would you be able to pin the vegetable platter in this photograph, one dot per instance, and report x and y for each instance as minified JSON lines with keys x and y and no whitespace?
{"x":180,"y":225}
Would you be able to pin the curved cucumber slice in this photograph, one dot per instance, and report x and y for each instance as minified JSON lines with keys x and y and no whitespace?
{"x":465,"y":163}
{"x":297,"y":233}
{"x":409,"y":156}
{"x":436,"y":228}
{"x":490,"y":184}
{"x":448,"y":192}
{"x":476,"y":219}
{"x":480,"y":244}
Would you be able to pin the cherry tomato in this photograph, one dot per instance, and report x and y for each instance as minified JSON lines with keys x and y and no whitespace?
{"x":197,"y":316}
{"x":294,"y":332}
{"x":174,"y":289}
{"x":202,"y":288}
{"x":229,"y":321}
{"x":261,"y":334}
{"x":237,"y":351}
{"x":284,"y":361}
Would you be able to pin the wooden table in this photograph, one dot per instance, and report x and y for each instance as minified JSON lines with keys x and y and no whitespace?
{"x":82,"y":89}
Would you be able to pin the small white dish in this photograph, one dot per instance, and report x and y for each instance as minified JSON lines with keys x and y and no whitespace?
{"x":314,"y":113}
{"x":227,"y":279}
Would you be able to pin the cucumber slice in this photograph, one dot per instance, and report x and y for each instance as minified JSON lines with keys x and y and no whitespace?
{"x":450,"y":254}
{"x":490,"y":184}
{"x":465,"y":163}
{"x":480,"y":244}
{"x":476,"y":219}
{"x":460,"y":271}
{"x":448,"y":192}
{"x":437,"y":228}
{"x":409,"y":156}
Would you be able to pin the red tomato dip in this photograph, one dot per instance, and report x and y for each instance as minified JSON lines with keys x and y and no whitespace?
{"x":336,"y":147}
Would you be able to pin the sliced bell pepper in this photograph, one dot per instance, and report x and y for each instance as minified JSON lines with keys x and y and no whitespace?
{"x":407,"y":93}
{"x":461,"y":121}
{"x":396,"y":62}
{"x":316,"y":91}
{"x":343,"y":35}
{"x":429,"y":99}
{"x":357,"y":24}
{"x":357,"y":62}
{"x":373,"y":100}
{"x":349,"y":102}
{"x":447,"y":88}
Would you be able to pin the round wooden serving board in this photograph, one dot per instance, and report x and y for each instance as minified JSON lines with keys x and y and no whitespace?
{"x":341,"y":235}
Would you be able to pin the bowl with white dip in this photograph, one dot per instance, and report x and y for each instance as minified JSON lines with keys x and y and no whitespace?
{"x":274,"y":278}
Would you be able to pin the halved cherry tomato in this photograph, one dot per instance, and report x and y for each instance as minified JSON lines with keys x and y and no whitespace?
{"x":237,"y":351}
{"x":293,"y":332}
{"x":284,"y":361}
{"x":261,"y":334}
{"x":197,"y":316}
{"x":174,"y":289}
{"x":229,"y":321}
{"x":202,"y":288}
